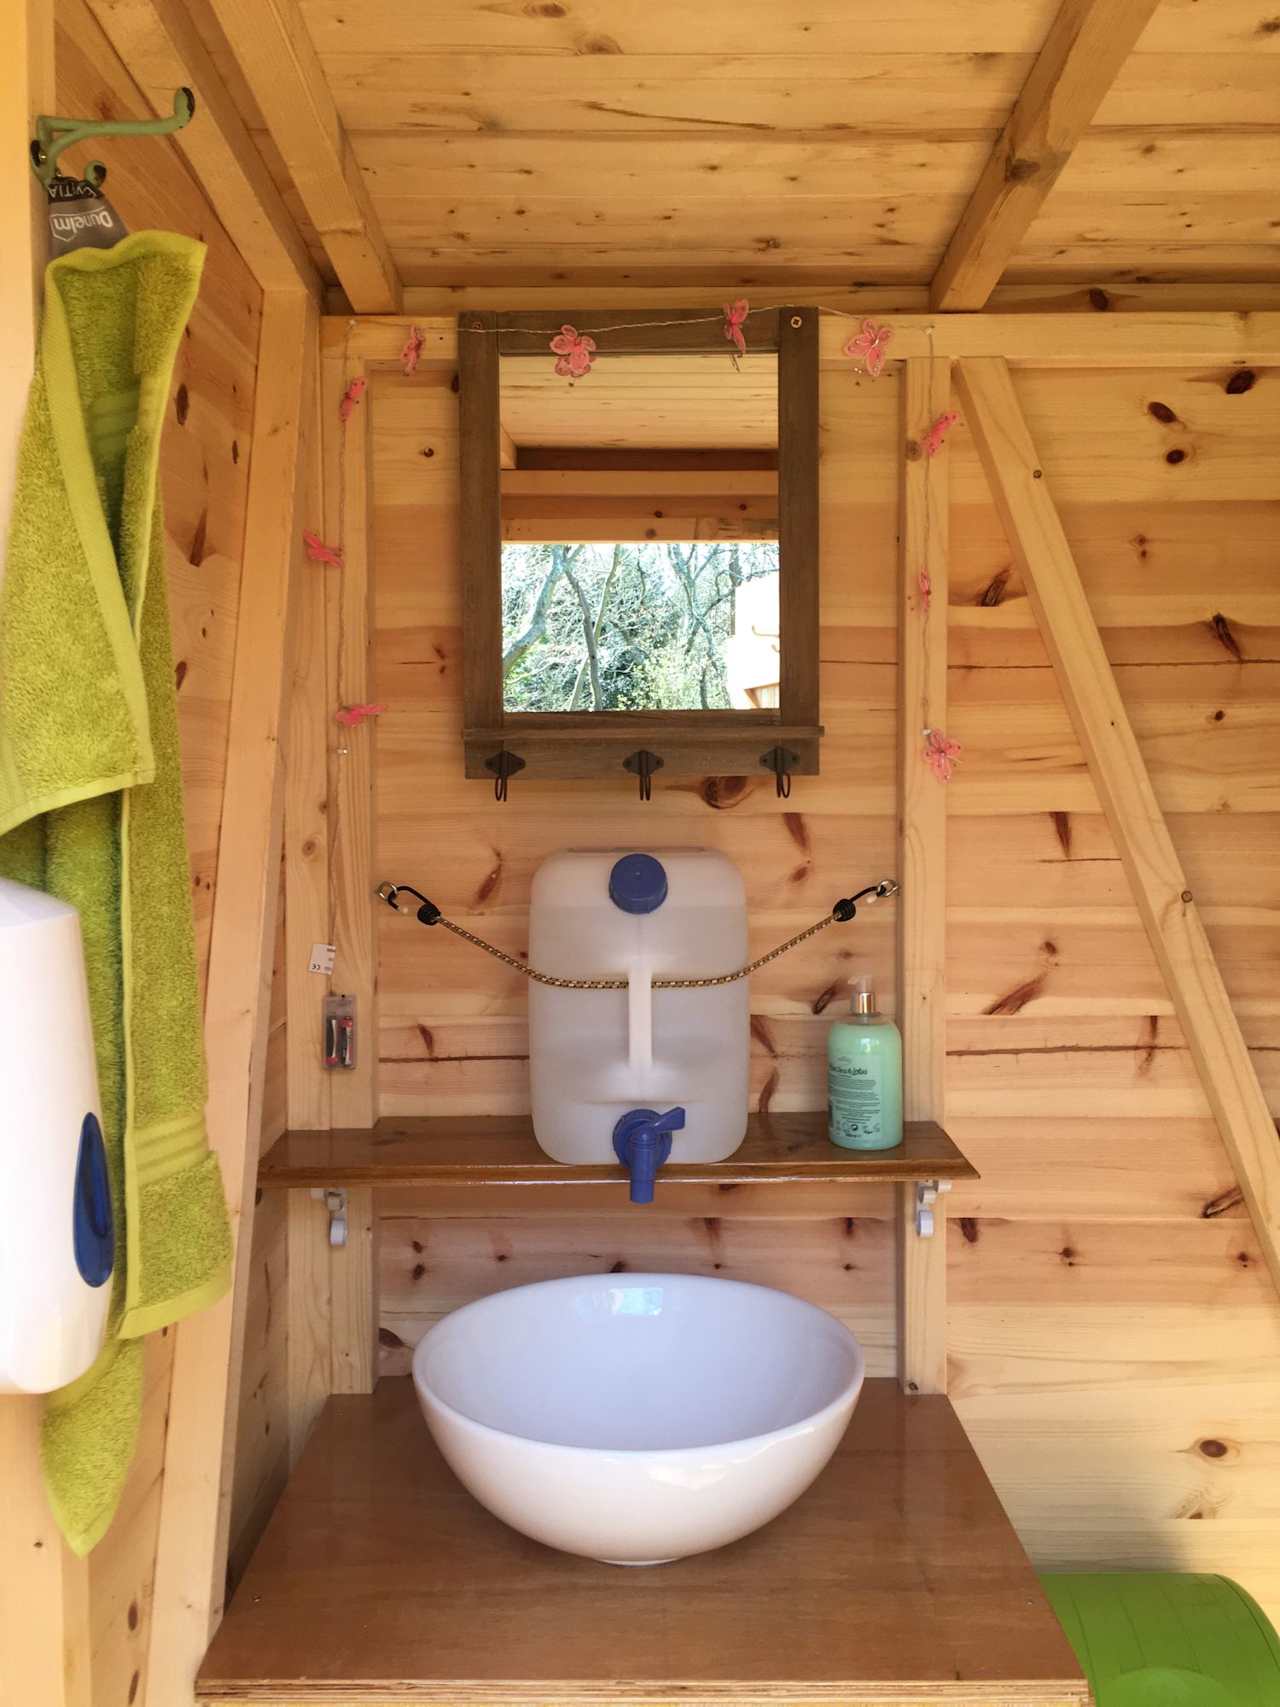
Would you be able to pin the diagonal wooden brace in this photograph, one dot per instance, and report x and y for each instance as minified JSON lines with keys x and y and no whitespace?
{"x":1166,"y":905}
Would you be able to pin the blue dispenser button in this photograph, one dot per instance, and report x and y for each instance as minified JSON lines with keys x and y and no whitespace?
{"x":93,"y":1228}
{"x":638,"y":883}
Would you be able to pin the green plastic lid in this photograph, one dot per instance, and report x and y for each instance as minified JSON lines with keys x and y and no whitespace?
{"x":1156,"y":1639}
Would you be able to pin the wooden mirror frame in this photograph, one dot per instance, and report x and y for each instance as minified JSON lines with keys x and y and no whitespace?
{"x":568,"y":744}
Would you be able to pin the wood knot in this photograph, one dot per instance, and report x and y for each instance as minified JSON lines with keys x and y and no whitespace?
{"x":1019,"y":170}
{"x":724,"y":792}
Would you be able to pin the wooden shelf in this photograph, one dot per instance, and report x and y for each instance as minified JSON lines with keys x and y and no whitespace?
{"x":896,"y":1578}
{"x":501,"y":1151}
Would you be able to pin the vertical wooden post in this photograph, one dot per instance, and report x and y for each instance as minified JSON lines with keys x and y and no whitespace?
{"x":44,"y":1588}
{"x":204,"y":1395}
{"x":353,"y":1270}
{"x":922,"y":857}
{"x":353,"y":1096}
{"x":26,"y":88}
{"x":310,"y":1323}
{"x":308,"y":908}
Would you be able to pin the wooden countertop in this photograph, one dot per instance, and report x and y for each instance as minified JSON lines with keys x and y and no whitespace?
{"x":501,"y":1150}
{"x":896,"y":1578}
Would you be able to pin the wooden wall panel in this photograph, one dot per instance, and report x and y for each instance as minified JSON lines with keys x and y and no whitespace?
{"x":1112,"y":1327}
{"x":1110,"y":1323}
{"x":204,"y":470}
{"x":429,"y":1267}
{"x":453,"y":1032}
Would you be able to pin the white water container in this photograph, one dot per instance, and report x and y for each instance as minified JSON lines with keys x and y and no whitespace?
{"x":598,"y":1055}
{"x":57,"y":1251}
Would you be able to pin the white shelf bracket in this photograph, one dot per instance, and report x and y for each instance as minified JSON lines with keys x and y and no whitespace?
{"x":927,"y":1192}
{"x":335,"y":1201}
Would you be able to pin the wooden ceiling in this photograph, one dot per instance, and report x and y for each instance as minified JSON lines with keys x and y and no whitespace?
{"x":743,"y":144}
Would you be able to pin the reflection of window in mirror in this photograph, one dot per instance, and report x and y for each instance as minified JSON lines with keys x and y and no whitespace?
{"x":640,"y":558}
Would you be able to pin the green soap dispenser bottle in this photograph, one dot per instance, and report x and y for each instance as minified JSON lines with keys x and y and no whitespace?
{"x":864,"y":1076}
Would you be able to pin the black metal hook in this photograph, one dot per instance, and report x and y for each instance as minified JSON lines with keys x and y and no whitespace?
{"x":643,"y":764}
{"x":428,"y":912}
{"x":779,"y":760}
{"x":504,"y":766}
{"x":845,"y":910}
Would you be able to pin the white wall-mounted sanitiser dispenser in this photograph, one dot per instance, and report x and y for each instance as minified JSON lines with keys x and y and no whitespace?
{"x":58,"y":1248}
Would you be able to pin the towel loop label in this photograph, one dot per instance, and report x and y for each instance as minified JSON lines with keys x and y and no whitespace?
{"x":81,"y":217}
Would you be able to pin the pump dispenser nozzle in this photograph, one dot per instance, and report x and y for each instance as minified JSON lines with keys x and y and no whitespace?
{"x":864,"y":996}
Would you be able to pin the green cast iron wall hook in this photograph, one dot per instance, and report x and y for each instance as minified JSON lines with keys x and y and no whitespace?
{"x":53,"y":135}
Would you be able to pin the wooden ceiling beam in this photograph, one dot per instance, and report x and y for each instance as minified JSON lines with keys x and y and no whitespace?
{"x":162,"y":49}
{"x":280,"y":64}
{"x":1086,"y":46}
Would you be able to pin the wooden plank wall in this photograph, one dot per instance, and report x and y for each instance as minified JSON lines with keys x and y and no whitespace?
{"x":453,"y":1024}
{"x":204,"y":474}
{"x":1113,"y":1328}
{"x":1113,"y":1333}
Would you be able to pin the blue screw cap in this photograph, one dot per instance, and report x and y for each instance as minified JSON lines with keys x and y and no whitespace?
{"x":638,"y":883}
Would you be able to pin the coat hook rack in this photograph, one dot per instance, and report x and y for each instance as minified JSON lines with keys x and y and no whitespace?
{"x":54,"y":135}
{"x":504,"y":766}
{"x":642,"y":764}
{"x":779,"y":760}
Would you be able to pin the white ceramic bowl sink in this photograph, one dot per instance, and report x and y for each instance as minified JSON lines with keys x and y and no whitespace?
{"x":638,"y":1418}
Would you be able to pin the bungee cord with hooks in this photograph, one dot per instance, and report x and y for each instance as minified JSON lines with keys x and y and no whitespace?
{"x":427,"y":913}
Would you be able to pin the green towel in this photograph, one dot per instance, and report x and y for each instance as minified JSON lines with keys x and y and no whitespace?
{"x":91,"y":807}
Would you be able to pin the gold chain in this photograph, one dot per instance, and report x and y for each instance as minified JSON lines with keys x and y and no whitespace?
{"x":621,"y":983}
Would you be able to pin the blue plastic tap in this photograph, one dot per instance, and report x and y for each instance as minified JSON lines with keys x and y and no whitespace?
{"x":642,"y":1142}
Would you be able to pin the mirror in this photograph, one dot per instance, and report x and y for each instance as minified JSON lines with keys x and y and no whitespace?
{"x":640,"y":533}
{"x":640,"y":503}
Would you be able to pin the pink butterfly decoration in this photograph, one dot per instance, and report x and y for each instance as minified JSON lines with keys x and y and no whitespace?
{"x":940,"y":754}
{"x":352,"y":716}
{"x":926,"y":591}
{"x":735,"y":313}
{"x":575,"y":352}
{"x":350,"y":397}
{"x":931,"y":443}
{"x":412,"y":350}
{"x":868,"y":345}
{"x":318,"y":552}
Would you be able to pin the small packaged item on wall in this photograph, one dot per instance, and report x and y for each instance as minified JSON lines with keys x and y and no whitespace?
{"x":864,"y":1076}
